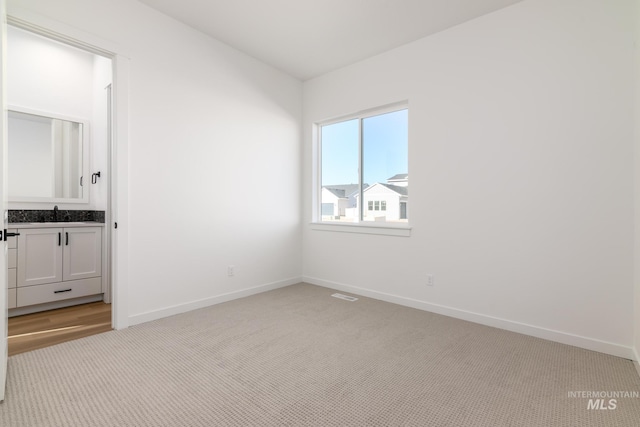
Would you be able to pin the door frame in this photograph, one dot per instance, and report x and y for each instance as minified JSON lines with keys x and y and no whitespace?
{"x":4,"y":303}
{"x":118,"y":192}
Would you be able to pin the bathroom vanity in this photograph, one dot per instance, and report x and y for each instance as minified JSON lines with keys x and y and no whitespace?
{"x":59,"y":256}
{"x":54,"y":264}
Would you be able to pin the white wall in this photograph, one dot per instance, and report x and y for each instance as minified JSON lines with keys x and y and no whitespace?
{"x":636,"y":321}
{"x":521,"y":165}
{"x":54,"y":78}
{"x":214,"y":159}
{"x":99,"y":132}
{"x":48,"y":76}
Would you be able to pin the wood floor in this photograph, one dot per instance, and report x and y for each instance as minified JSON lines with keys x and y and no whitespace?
{"x":39,"y":330}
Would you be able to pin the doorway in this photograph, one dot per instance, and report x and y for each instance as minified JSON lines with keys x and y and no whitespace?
{"x":75,"y":91}
{"x":43,"y":329}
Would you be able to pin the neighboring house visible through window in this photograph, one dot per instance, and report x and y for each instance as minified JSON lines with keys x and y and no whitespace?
{"x":388,"y":199}
{"x":364,"y":167}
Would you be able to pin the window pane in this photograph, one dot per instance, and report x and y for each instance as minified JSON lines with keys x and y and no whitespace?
{"x":385,"y":165}
{"x":339,"y":145}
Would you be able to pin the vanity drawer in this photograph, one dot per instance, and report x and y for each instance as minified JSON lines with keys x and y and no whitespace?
{"x":40,"y":294}
{"x":13,"y":278}
{"x":12,"y":298}
{"x":12,"y":257}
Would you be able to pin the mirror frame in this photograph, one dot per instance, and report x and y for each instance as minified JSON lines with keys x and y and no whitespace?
{"x":86,"y":148}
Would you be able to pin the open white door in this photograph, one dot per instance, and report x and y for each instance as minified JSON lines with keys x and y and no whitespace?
{"x":3,"y":204}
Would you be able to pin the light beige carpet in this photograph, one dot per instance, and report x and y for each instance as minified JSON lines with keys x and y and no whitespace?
{"x":296,"y":356}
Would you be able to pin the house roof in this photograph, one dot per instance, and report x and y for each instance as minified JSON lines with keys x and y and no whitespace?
{"x":403,"y":191}
{"x":398,"y":177}
{"x":335,"y":191}
{"x":343,"y":190}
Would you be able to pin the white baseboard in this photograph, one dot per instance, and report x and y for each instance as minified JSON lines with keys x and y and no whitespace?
{"x":194,"y":305}
{"x":636,"y":360}
{"x":19,"y":311}
{"x":522,"y":328}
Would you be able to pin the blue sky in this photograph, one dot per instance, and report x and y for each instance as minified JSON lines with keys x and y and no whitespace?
{"x":385,"y":149}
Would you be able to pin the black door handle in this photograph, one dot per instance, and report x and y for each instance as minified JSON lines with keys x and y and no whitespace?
{"x":64,"y":290}
{"x":66,"y":239}
{"x":59,"y":239}
{"x":7,"y":234}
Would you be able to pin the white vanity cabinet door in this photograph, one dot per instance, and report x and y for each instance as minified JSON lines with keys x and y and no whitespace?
{"x":13,"y":298}
{"x":13,"y":280}
{"x":82,"y":258}
{"x":12,"y":244}
{"x":39,"y":256}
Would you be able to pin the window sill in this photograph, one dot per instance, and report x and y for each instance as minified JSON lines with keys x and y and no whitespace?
{"x":384,"y":230}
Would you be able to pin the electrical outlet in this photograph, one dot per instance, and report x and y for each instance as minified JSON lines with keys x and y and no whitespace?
{"x":430,"y":280}
{"x":231,"y":270}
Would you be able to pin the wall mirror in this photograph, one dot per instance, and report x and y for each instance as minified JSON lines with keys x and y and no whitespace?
{"x":47,"y":157}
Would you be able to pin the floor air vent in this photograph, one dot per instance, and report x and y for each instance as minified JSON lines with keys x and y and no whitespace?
{"x":345,"y":297}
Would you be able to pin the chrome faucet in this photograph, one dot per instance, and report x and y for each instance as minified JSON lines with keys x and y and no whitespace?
{"x":55,"y":213}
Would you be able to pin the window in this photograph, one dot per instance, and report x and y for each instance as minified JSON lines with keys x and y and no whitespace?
{"x":364,"y":167}
{"x":378,"y":205}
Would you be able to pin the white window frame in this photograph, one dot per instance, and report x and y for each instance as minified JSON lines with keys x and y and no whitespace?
{"x":388,"y":229}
